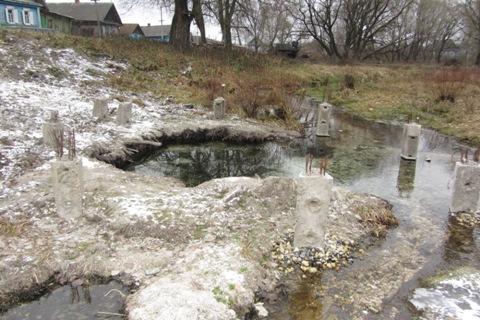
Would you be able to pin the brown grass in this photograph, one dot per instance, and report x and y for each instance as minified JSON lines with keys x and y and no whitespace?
{"x":10,"y":229}
{"x":434,"y":95}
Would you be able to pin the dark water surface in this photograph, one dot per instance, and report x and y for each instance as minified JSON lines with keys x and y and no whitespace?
{"x":82,"y":302}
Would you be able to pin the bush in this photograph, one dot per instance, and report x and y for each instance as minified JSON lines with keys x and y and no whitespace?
{"x":448,"y":83}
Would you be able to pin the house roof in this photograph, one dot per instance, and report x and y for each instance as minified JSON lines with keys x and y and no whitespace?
{"x":26,"y":2}
{"x":87,"y":11}
{"x":129,"y":28}
{"x":156,"y":31}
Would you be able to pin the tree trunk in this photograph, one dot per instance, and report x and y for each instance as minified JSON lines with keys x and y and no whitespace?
{"x":477,"y":59}
{"x":180,"y":31}
{"x":198,"y":16}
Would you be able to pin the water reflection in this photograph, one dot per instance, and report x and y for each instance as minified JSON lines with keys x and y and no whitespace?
{"x":80,"y":302}
{"x":406,"y":178}
{"x":460,"y":242}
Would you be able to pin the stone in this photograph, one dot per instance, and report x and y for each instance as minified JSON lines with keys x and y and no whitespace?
{"x":124,"y":113}
{"x":219,"y":108}
{"x":261,"y":311}
{"x":410,"y":141}
{"x":313,"y":199}
{"x":100,"y":108}
{"x":466,"y":187}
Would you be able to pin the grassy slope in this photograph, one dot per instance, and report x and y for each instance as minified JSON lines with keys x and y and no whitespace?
{"x":398,"y":92}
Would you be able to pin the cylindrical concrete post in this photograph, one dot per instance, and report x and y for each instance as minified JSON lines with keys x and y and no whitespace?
{"x":313,"y":201}
{"x":53,"y":133}
{"x":68,"y":187}
{"x":466,"y":188}
{"x":124,"y":114}
{"x":100,"y":108}
{"x":323,"y":119}
{"x":219,"y":106}
{"x":411,"y":139}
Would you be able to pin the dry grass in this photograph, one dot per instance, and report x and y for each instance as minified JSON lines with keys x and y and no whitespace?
{"x":10,"y":229}
{"x":375,"y":217}
{"x":438,"y":97}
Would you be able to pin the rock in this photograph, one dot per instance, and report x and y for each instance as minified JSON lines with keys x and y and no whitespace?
{"x":152,"y":272}
{"x":261,"y":311}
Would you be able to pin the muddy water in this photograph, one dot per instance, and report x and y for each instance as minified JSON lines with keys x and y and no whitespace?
{"x":364,"y":157}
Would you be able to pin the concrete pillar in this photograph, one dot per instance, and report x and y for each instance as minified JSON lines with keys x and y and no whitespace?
{"x":313,"y":201}
{"x":411,"y":139}
{"x":68,"y":186}
{"x":466,"y":188}
{"x":124,"y":114}
{"x":219,"y":107}
{"x":53,"y":133}
{"x":100,"y":108}
{"x":324,"y":111}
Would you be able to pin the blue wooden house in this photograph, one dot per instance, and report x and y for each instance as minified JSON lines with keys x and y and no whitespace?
{"x":20,"y":13}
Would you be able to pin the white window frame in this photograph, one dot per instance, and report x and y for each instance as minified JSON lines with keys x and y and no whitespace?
{"x":11,"y":12}
{"x":27,"y":16}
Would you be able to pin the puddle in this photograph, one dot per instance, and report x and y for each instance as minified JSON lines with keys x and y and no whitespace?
{"x":364,"y":157}
{"x":95,"y":301}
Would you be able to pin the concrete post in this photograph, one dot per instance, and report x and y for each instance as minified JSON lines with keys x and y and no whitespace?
{"x":313,"y":201}
{"x":219,"y":107}
{"x":466,"y":188}
{"x":68,"y":186}
{"x":411,"y":139}
{"x":53,"y":132}
{"x":100,"y":108}
{"x":124,"y":114}
{"x":323,"y":119}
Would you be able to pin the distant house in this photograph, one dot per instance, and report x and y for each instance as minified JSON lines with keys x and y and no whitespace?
{"x":132,"y":30}
{"x":58,"y":22}
{"x":20,"y":13}
{"x":161,"y":33}
{"x":88,"y":16}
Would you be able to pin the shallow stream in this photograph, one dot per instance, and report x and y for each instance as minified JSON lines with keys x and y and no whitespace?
{"x":364,"y":156}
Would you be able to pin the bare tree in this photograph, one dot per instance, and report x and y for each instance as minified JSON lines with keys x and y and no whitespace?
{"x":182,"y":18}
{"x":319,"y":19}
{"x":223,"y":11}
{"x":365,"y":21}
{"x":471,"y":15}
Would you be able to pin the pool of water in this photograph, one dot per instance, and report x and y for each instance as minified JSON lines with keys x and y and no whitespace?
{"x":79,"y":302}
{"x":364,"y":157}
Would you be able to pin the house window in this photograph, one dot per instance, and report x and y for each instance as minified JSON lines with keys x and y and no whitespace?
{"x":27,"y":17}
{"x":11,"y":15}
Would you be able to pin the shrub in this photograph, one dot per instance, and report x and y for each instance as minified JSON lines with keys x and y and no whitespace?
{"x":448,"y":83}
{"x":349,"y":81}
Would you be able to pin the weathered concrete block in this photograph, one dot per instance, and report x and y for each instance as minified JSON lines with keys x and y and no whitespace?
{"x":219,"y":107}
{"x":53,"y":131}
{"x":100,"y":108}
{"x":323,"y":128}
{"x":313,"y":201}
{"x":466,"y":188}
{"x":324,"y":111}
{"x":411,"y":139}
{"x":124,"y":114}
{"x":68,"y":186}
